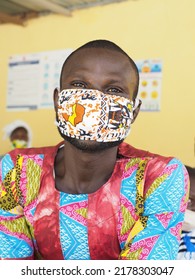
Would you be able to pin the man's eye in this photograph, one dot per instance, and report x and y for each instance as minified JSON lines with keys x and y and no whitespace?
{"x":78,"y":85}
{"x":115,"y":90}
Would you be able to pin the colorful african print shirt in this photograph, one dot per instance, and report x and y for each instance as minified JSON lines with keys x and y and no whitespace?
{"x":137,"y":214}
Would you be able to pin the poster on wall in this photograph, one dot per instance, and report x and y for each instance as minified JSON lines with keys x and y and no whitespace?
{"x":150,"y":85}
{"x":32,"y":79}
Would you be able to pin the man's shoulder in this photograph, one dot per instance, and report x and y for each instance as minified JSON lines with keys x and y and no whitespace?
{"x":128,"y":151}
{"x":155,"y":164}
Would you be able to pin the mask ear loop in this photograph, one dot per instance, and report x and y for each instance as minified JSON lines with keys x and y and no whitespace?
{"x":137,"y":102}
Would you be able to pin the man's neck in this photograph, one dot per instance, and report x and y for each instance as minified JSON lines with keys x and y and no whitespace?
{"x":83,"y":172}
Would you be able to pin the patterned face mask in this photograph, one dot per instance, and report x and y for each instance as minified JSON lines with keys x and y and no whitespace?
{"x":92,"y":115}
{"x":19,"y":144}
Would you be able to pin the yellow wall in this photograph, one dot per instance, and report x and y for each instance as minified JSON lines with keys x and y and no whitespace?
{"x":145,"y":29}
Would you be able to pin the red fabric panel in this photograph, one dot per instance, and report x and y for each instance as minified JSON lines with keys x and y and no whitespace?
{"x":46,"y":218}
{"x":103,"y":208}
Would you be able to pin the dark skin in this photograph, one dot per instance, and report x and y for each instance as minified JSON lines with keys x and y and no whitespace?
{"x":109,"y":71}
{"x":19,"y":133}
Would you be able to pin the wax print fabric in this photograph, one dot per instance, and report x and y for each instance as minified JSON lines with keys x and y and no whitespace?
{"x":137,"y":214}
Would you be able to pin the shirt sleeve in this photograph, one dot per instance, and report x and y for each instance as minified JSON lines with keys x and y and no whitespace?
{"x":16,"y":241}
{"x":156,"y":232}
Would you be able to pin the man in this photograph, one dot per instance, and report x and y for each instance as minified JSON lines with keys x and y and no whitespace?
{"x":92,"y":196}
{"x":187,"y":243}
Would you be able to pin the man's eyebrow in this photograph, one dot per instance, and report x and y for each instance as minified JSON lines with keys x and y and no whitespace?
{"x":114,"y":81}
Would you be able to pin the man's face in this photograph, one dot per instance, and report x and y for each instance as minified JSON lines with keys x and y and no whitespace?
{"x":105,"y":70}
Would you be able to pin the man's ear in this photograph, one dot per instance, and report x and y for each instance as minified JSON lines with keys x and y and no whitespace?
{"x":136,"y":110}
{"x":55,"y":97}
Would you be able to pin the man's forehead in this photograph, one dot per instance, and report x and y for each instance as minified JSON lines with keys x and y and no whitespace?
{"x":91,"y":57}
{"x":88,"y":54}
